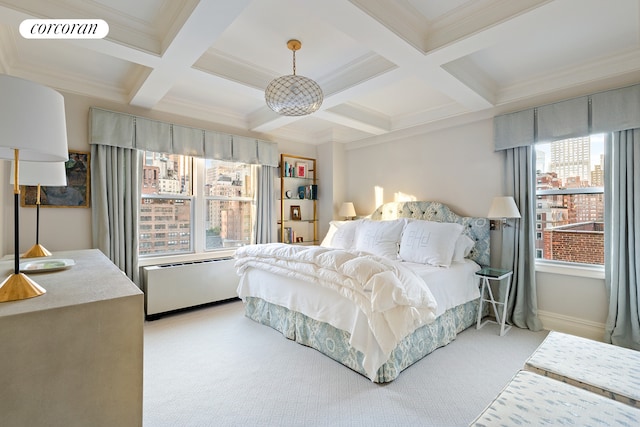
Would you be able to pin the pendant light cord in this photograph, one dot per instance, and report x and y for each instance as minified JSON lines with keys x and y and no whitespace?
{"x":294,"y":62}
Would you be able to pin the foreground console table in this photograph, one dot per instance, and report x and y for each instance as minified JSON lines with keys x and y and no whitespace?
{"x":73,"y":356}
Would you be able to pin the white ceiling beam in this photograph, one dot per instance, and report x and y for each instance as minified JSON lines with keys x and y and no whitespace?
{"x":116,"y":50}
{"x":447,"y":41}
{"x":475,"y":18}
{"x":357,"y":118}
{"x":205,"y":24}
{"x":266,"y":120}
{"x":367,"y":30}
{"x":388,"y":44}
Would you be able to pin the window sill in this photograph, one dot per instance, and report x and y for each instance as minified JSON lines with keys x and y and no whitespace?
{"x":175,"y":259}
{"x":593,"y":272}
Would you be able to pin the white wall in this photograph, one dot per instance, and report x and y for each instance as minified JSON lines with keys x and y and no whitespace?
{"x":459,"y":167}
{"x":331,"y":186}
{"x":572,"y":304}
{"x":456,"y":166}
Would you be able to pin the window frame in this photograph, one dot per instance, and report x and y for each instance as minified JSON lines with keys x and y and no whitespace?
{"x":558,"y":266}
{"x":205,"y":199}
{"x":198,"y":215}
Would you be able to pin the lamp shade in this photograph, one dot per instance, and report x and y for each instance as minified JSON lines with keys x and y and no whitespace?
{"x":52,"y":174}
{"x":347,"y":210}
{"x":503,"y":207}
{"x":293,"y":95}
{"x":32,"y":120}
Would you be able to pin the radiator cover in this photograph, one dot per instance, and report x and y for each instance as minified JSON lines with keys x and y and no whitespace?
{"x":176,"y":286}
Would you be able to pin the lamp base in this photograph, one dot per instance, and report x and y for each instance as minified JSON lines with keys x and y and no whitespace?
{"x":18,"y":287}
{"x":36,"y":251}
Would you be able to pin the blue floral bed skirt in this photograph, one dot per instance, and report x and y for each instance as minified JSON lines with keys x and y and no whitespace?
{"x":334,"y":342}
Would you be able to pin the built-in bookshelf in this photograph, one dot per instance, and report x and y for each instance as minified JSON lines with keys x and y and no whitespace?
{"x":298,"y":216}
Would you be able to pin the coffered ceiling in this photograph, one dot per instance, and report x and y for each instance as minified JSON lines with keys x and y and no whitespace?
{"x":384,"y":66}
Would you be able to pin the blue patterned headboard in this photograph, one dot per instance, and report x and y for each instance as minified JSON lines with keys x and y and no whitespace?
{"x":476,"y":228}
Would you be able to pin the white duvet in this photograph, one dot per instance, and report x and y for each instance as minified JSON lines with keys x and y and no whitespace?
{"x":394,"y":299}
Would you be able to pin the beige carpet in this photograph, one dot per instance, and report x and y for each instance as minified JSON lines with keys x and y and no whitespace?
{"x":215,"y":367}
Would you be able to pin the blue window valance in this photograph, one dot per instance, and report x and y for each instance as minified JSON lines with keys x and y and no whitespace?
{"x":129,"y":131}
{"x":608,"y":111}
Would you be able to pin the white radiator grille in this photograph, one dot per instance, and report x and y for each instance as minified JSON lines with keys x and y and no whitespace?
{"x":171,"y":287}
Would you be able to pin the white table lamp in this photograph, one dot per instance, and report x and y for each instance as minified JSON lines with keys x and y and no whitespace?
{"x":347,"y":210}
{"x":51,"y":174}
{"x":503,"y":207}
{"x":33,"y":127}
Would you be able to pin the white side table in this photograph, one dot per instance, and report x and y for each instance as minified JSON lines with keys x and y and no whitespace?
{"x":486,"y":274}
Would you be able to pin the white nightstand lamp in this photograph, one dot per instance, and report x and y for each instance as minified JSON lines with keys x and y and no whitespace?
{"x":503,"y":207}
{"x":347,"y":210}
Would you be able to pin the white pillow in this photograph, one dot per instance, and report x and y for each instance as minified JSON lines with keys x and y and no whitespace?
{"x":341,"y":234}
{"x":333,"y":227}
{"x":380,"y":237}
{"x":428,"y":242}
{"x":463,"y":247}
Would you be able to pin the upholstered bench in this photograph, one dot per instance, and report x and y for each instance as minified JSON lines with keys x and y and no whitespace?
{"x":611,"y":371}
{"x":535,"y":400}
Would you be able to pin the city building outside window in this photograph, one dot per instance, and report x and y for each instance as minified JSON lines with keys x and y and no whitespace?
{"x":570,"y":200}
{"x":167,"y":203}
{"x":175,"y":189}
{"x":229,"y":204}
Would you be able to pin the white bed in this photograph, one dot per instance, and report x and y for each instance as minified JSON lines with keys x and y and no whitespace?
{"x":326,"y":315}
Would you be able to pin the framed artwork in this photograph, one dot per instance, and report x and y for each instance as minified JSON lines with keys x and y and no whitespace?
{"x":75,"y":195}
{"x":301,"y":170}
{"x":295,"y":213}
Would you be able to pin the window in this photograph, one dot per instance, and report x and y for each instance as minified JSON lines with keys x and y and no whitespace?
{"x":229,"y":204}
{"x":167,"y":201}
{"x":192,"y":205}
{"x":570,"y":200}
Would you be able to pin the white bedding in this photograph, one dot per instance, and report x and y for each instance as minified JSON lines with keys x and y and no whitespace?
{"x":394,"y":300}
{"x":449,"y":286}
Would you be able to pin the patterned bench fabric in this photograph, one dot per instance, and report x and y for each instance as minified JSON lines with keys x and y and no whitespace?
{"x":534,"y":400}
{"x":334,"y":342}
{"x":611,"y":371}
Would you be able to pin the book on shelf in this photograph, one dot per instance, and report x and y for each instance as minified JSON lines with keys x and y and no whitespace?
{"x":312,"y":192}
{"x":288,"y":235}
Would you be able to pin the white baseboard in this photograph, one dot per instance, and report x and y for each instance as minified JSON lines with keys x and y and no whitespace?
{"x":571,"y":325}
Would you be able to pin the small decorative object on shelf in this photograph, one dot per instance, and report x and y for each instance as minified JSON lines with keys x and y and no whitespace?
{"x":311,"y":192}
{"x":301,"y":170}
{"x":295,"y":213}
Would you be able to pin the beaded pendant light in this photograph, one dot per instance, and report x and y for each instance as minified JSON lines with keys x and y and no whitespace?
{"x":293,"y":95}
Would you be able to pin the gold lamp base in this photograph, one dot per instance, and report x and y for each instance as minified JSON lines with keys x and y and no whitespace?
{"x":36,"y":251}
{"x":18,"y":287}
